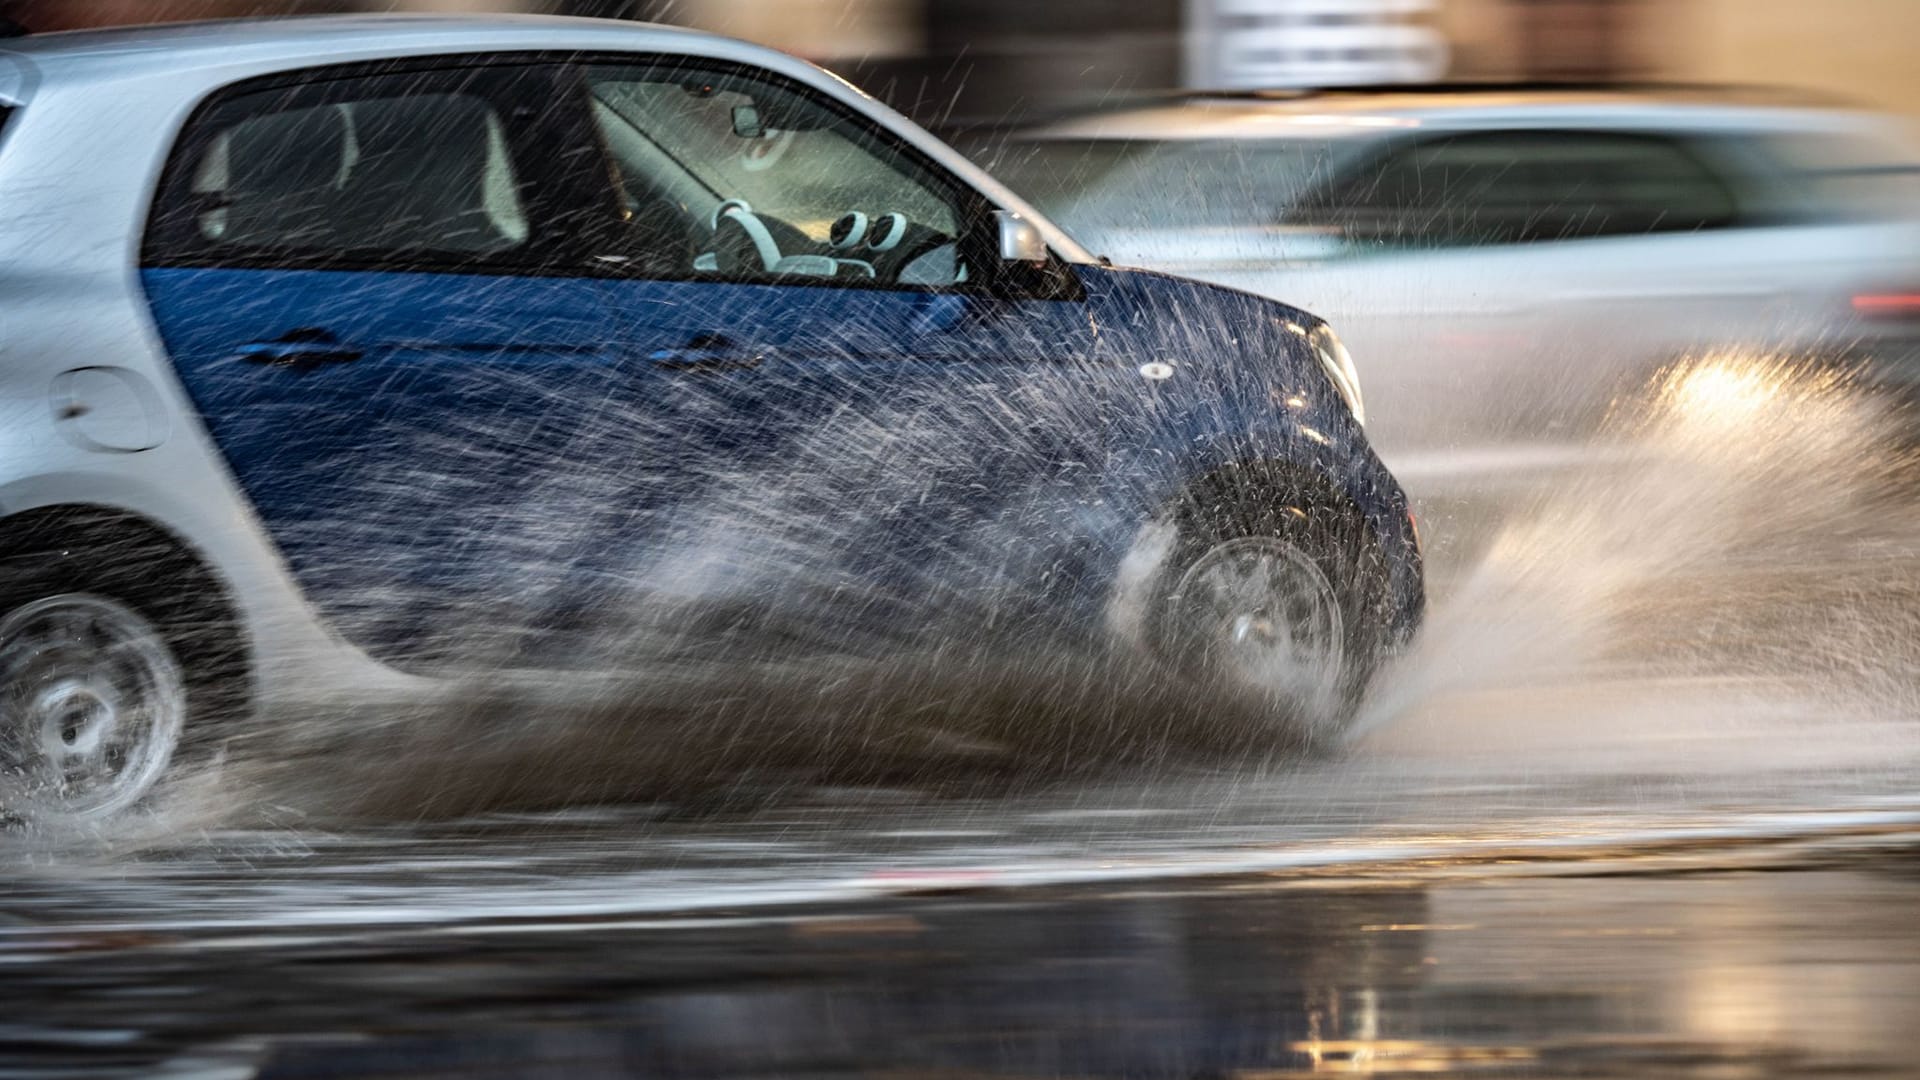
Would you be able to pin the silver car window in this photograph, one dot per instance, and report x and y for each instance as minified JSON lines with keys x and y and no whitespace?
{"x":1523,"y":187}
{"x":1845,"y":176}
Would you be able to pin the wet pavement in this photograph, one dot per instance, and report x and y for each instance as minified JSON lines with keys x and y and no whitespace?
{"x":1394,"y":912}
{"x":1608,"y":875}
{"x":1689,"y":958}
{"x":1619,"y":878}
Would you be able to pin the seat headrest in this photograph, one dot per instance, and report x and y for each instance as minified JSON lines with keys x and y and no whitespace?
{"x":419,"y":178}
{"x":287,"y":153}
{"x":443,"y":132}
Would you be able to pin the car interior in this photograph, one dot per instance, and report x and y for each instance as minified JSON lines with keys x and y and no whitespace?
{"x":751,"y":182}
{"x":427,"y":172}
{"x":732,"y":181}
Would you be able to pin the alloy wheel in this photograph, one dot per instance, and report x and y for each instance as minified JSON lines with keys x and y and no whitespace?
{"x":1262,"y":612}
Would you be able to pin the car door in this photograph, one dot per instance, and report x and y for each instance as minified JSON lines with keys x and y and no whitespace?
{"x":369,"y":288}
{"x":818,"y":326}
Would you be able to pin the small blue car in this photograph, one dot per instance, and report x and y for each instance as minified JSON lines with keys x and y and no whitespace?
{"x":346,"y":357}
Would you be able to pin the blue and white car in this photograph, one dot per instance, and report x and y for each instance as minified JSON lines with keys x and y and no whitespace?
{"x":325,"y":341}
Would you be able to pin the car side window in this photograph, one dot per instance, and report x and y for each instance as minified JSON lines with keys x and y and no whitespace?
{"x":1525,"y":187}
{"x":423,"y":169}
{"x":739,"y":175}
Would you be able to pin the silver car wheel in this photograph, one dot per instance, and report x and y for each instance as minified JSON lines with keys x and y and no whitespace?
{"x":1264,"y":613}
{"x":92,"y":703}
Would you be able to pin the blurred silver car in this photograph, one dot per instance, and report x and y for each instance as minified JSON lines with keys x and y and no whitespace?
{"x":1503,"y":262}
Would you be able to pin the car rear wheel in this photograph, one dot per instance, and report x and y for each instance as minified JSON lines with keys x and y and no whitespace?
{"x":120,"y":661}
{"x":93,"y":701}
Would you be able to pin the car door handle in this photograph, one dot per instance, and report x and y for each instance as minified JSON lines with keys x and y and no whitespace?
{"x":706,"y":352}
{"x":306,"y":347}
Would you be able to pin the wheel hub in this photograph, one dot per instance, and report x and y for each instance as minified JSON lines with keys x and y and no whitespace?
{"x":1250,"y":631}
{"x":74,"y":716}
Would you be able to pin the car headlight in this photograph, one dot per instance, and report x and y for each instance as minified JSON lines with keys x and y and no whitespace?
{"x":1339,"y":367}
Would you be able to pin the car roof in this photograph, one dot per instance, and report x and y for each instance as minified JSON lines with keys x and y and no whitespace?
{"x":1335,"y":114}
{"x":169,"y":68}
{"x":320,"y":39}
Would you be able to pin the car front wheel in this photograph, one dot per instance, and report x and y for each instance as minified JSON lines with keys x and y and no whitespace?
{"x":1271,"y":597}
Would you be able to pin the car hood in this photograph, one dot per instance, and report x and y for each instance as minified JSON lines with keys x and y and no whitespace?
{"x":1139,"y":309}
{"x":1227,"y":350}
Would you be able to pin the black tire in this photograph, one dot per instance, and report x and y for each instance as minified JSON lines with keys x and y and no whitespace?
{"x":1255,"y":519}
{"x":109,"y":595}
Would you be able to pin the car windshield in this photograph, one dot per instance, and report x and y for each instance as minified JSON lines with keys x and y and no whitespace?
{"x":1210,"y":183}
{"x":807,"y":176}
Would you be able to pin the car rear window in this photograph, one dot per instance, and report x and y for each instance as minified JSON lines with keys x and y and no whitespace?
{"x":331,"y":175}
{"x":1196,"y":183}
{"x":427,"y":168}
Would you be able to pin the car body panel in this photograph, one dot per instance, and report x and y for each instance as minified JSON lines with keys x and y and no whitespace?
{"x":16,"y":80}
{"x":403,"y":475}
{"x":1244,"y":352}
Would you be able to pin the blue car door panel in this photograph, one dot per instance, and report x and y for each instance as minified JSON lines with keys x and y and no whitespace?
{"x":367,"y":290}
{"x":409,"y":463}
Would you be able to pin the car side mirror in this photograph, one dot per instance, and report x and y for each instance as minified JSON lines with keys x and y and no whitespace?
{"x":1020,"y":241}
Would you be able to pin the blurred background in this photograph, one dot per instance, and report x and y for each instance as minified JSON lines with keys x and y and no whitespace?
{"x":997,"y":62}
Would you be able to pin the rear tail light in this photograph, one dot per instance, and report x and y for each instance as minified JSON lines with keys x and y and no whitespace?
{"x":1904,"y":304}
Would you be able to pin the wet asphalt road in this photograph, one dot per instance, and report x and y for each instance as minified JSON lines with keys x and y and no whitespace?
{"x":1373,"y":915}
{"x":1758,"y":960}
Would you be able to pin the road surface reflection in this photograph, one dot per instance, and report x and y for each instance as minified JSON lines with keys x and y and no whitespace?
{"x":1569,"y":969}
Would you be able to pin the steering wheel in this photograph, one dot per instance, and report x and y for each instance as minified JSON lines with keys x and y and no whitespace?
{"x":741,"y":239}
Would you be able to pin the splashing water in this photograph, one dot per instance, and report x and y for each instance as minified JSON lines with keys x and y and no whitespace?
{"x":775,"y":629}
{"x":1717,"y":594}
{"x":1733,"y":585}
